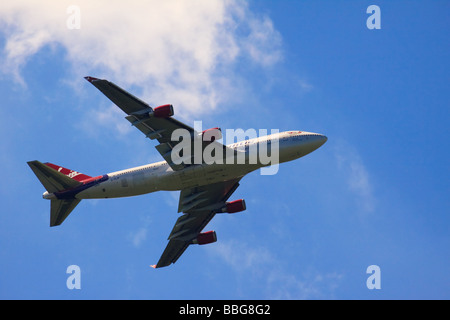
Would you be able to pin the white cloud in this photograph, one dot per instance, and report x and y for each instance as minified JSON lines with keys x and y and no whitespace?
{"x":358,"y":179}
{"x":180,"y":51}
{"x":260,"y":267}
{"x":260,"y":41}
{"x":312,"y":285}
{"x":240,"y":257}
{"x":111,"y":117}
{"x":140,"y":235}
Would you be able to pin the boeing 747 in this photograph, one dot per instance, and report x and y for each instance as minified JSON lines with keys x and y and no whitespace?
{"x":206,"y":180}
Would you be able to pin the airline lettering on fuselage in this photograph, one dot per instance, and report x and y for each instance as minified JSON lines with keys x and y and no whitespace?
{"x":253,"y":149}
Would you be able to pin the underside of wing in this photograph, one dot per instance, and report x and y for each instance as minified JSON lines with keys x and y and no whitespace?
{"x":199,"y":205}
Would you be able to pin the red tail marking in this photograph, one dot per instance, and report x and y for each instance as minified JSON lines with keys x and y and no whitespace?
{"x":91,"y":79}
{"x":70,"y":173}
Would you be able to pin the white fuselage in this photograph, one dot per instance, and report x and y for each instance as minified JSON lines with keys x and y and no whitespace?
{"x":160,"y":176}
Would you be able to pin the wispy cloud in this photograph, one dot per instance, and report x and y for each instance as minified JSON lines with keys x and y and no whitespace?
{"x":111,"y":117}
{"x":358,"y":180}
{"x":261,"y":267}
{"x":138,"y":236}
{"x":261,"y":40}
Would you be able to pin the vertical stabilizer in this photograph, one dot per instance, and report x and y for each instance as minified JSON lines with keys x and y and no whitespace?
{"x":52,"y":180}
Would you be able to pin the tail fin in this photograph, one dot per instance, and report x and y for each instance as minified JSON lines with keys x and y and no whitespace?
{"x":52,"y":180}
{"x":70,"y":173}
{"x":56,"y":179}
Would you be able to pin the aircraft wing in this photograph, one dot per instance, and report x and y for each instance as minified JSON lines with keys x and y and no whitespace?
{"x":153,"y":127}
{"x":199,"y":205}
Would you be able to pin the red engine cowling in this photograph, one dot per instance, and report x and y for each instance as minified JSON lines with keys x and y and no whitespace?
{"x":206,"y":237}
{"x":235,"y":206}
{"x":164,"y":111}
{"x":212,"y":134}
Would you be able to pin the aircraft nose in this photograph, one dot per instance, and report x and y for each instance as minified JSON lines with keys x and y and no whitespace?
{"x":312,"y":141}
{"x":319,"y":140}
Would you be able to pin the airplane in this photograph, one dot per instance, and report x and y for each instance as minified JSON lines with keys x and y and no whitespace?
{"x":205,"y":187}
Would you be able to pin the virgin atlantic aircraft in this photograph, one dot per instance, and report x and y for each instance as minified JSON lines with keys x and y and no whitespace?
{"x":205,"y":185}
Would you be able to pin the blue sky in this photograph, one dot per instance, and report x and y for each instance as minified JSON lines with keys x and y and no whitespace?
{"x":375,"y":194}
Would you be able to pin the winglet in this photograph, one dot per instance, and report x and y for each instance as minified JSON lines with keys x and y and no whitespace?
{"x":91,"y":79}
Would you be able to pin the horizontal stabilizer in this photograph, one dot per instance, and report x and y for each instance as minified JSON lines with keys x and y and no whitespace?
{"x":60,"y":209}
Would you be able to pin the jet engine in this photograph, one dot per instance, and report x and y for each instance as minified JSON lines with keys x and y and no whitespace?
{"x":212,"y":134}
{"x":205,"y":238}
{"x":234,"y":206}
{"x":164,"y":111}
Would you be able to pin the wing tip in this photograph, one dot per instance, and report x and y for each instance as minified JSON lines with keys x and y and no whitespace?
{"x":91,"y":79}
{"x":153,"y":266}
